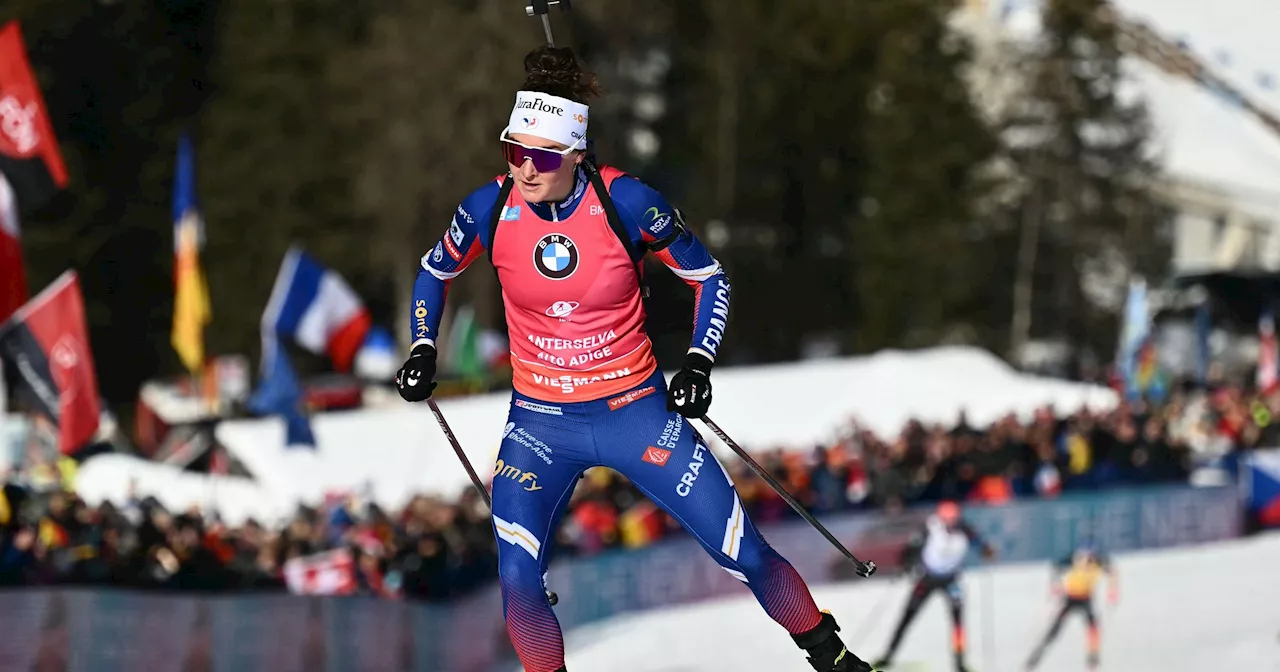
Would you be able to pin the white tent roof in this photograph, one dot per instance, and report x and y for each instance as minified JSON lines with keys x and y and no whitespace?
{"x":1200,"y":136}
{"x":1203,"y":137}
{"x":1236,"y":38}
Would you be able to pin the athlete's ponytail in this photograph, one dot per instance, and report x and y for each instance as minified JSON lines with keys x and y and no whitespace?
{"x":556,"y":71}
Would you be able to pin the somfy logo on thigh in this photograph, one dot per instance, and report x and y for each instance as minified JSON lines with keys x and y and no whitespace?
{"x":555,"y":256}
{"x":526,"y":478}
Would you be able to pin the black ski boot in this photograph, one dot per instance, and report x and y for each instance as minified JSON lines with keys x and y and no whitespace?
{"x":826,"y":652}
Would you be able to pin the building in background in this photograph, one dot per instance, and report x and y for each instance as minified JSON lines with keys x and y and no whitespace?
{"x":1210,"y":87}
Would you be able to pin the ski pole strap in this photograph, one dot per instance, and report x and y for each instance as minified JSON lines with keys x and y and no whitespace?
{"x":863,"y":568}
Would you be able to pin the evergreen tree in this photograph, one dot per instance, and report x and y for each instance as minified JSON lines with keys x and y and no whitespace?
{"x":427,"y":113}
{"x":274,"y":165}
{"x":838,"y":144}
{"x":920,"y":261}
{"x":1082,"y":149}
{"x":835,"y":140}
{"x":119,"y":78}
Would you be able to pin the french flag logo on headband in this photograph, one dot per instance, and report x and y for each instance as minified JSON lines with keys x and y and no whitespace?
{"x":315,"y":307}
{"x":553,"y":118}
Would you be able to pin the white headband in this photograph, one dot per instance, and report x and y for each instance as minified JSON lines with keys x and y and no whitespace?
{"x":549,"y":117}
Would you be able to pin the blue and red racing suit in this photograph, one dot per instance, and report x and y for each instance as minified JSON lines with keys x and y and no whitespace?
{"x":588,"y":393}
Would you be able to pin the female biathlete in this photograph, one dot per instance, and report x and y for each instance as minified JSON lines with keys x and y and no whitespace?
{"x":566,"y":239}
{"x":1075,"y":580}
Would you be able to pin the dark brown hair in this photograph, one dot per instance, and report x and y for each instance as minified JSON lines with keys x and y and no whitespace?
{"x":556,"y":71}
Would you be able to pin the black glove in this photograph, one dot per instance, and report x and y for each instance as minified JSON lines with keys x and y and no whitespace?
{"x":690,"y":390}
{"x":415,"y":381}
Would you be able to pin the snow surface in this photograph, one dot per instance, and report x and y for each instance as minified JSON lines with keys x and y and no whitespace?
{"x":1210,"y":607}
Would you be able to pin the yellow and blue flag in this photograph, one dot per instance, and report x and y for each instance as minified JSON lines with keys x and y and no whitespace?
{"x":191,"y":310}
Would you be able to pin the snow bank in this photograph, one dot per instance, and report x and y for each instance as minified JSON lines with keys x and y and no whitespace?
{"x":107,"y":477}
{"x":394,"y":453}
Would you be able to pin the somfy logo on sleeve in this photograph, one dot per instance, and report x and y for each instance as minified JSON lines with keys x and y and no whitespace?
{"x":555,"y":256}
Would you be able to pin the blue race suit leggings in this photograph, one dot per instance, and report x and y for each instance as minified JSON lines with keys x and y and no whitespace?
{"x":545,"y":448}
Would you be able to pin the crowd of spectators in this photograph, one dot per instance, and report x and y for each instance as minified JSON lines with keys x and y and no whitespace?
{"x":438,"y":550}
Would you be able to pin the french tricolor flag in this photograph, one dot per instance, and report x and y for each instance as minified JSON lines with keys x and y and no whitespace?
{"x":1262,"y":485}
{"x":316,"y":308}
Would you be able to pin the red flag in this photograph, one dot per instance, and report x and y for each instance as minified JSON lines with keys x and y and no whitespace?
{"x":327,"y":573}
{"x":13,"y":280}
{"x":46,"y":343}
{"x":219,"y":463}
{"x":1268,"y":364}
{"x":31,"y":166}
{"x":29,"y":153}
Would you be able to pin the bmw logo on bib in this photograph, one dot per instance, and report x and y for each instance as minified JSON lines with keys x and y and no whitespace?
{"x":556,"y":256}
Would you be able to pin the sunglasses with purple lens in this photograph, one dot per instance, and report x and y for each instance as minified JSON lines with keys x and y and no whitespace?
{"x":544,"y":160}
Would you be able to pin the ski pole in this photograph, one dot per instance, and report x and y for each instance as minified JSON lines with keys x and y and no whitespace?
{"x":542,"y":8}
{"x":466,"y":464}
{"x":863,"y":568}
{"x":989,"y":618}
{"x":457,"y":448}
{"x":859,"y":632}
